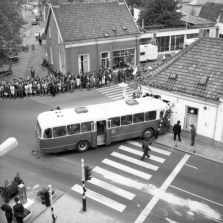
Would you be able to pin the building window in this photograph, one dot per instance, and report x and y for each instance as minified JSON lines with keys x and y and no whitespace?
{"x":220,"y":35}
{"x":84,"y":63}
{"x":206,"y":32}
{"x":60,"y":61}
{"x":124,"y":58}
{"x":145,"y":41}
{"x":191,"y":117}
{"x":177,"y":42}
{"x":193,"y":35}
{"x":105,"y":59}
{"x":51,"y":54}
{"x":49,"y":32}
{"x":163,"y":43}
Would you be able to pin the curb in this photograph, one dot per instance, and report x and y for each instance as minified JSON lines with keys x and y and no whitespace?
{"x":194,"y":154}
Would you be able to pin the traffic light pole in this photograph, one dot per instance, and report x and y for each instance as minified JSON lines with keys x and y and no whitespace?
{"x":51,"y":204}
{"x":84,"y":189}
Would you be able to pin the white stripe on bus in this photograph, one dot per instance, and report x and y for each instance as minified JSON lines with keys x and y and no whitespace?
{"x":136,"y":152}
{"x":127,"y":169}
{"x":161,"y":151}
{"x":113,"y":189}
{"x":100,"y":198}
{"x":135,"y":161}
{"x":118,"y":178}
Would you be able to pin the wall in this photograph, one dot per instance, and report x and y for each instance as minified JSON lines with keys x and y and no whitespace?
{"x":206,"y":118}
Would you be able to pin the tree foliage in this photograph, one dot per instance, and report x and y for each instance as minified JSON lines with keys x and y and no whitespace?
{"x":161,"y":12}
{"x":10,"y":25}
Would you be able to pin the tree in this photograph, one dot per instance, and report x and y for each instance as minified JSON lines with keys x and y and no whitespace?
{"x":10,"y":26}
{"x":161,"y":12}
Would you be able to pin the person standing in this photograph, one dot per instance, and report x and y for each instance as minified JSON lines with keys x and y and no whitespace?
{"x":8,"y":211}
{"x":177,"y":130}
{"x":36,"y":35}
{"x":18,"y":210}
{"x":32,"y":71}
{"x":145,"y":147}
{"x":193,"y":134}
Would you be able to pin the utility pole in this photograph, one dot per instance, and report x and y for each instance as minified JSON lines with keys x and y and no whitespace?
{"x":83,"y":183}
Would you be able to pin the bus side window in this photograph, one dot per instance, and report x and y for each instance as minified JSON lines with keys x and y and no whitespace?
{"x":115,"y":122}
{"x":86,"y":126}
{"x":74,"y":129}
{"x":161,"y":114}
{"x":59,"y":131}
{"x":138,"y":118}
{"x":47,"y":134}
{"x":150,"y":115}
{"x":126,"y":120}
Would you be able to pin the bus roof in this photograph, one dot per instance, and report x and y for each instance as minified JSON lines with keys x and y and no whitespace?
{"x":98,"y":112}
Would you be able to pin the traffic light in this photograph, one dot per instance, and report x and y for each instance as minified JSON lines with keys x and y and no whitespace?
{"x":45,"y":197}
{"x":87,"y":173}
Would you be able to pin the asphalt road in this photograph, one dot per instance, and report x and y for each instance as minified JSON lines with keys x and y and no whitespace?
{"x":190,"y":191}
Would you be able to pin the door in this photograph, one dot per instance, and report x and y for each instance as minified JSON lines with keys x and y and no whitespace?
{"x":108,"y":132}
{"x":93,"y":135}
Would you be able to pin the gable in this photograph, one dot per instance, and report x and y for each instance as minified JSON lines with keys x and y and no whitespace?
{"x":211,"y":11}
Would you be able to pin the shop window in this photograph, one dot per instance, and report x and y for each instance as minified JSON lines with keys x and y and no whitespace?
{"x":163,"y":43}
{"x":177,"y":42}
{"x":84,"y":63}
{"x":191,"y":117}
{"x":126,"y":120}
{"x":86,"y":126}
{"x":115,"y":122}
{"x":105,"y":59}
{"x":73,"y":129}
{"x":192,"y":35}
{"x":59,"y":131}
{"x":138,"y":118}
{"x":150,"y":115}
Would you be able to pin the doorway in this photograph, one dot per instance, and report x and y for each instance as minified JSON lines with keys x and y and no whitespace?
{"x":101,"y":128}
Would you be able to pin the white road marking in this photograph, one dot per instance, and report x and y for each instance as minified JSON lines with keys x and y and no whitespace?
{"x":28,"y":203}
{"x":119,"y":92}
{"x":111,"y":90}
{"x":196,"y":195}
{"x":135,"y":161}
{"x":117,"y":96}
{"x":127,"y":169}
{"x":113,"y":189}
{"x":164,"y":186}
{"x":114,"y":87}
{"x":118,"y":178}
{"x":151,"y":147}
{"x":191,"y":166}
{"x":100,"y":198}
{"x":136,"y":152}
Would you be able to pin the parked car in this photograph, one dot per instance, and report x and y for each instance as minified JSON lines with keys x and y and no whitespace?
{"x":34,"y":22}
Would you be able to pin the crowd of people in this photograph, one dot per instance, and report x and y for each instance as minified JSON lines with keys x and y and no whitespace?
{"x":58,"y":83}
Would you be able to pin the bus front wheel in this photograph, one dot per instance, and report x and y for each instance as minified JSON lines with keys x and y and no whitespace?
{"x":82,"y":146}
{"x":148,"y":133}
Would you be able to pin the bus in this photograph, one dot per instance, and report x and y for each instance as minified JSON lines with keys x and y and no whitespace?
{"x":87,"y":127}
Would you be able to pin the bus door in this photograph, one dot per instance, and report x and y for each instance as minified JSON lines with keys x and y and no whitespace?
{"x":93,"y":135}
{"x":108,"y":132}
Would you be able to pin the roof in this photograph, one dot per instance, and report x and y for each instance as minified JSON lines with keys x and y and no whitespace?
{"x":196,"y":20}
{"x":202,"y":2}
{"x":204,"y":57}
{"x":81,"y":21}
{"x":98,"y":112}
{"x":211,"y":11}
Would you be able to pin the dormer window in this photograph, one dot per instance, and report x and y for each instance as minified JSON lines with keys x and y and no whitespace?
{"x":106,"y":34}
{"x":124,"y":27}
{"x":113,"y":28}
{"x":203,"y":80}
{"x":173,"y":76}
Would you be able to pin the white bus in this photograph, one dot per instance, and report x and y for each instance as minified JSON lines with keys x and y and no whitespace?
{"x":84,"y":127}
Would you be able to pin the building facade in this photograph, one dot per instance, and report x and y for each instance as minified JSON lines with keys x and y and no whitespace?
{"x":84,"y":36}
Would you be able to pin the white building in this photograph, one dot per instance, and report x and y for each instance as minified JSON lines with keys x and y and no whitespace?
{"x":193,"y":81}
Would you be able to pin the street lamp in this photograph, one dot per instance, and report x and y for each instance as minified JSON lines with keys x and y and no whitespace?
{"x":186,"y":24}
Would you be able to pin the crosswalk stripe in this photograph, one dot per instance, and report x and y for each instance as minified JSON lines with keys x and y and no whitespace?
{"x":136,"y":152}
{"x":118,"y":178}
{"x":107,"y":88}
{"x":100,"y":198}
{"x":111,"y":90}
{"x":135,"y":161}
{"x":113,"y":189}
{"x":119,"y":92}
{"x":151,"y":147}
{"x":127,"y":169}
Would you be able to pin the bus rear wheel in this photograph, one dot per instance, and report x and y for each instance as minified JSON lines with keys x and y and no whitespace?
{"x":148,"y":133}
{"x":82,"y":146}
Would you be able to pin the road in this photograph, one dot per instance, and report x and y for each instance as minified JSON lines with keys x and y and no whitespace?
{"x":170,"y":187}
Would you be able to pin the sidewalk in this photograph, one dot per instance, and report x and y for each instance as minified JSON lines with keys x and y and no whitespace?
{"x":200,"y":149}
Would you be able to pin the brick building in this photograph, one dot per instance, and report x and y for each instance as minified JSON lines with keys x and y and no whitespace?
{"x":87,"y":35}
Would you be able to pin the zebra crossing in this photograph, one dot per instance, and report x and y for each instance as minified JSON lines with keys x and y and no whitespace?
{"x":132,"y":148}
{"x":115,"y":92}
